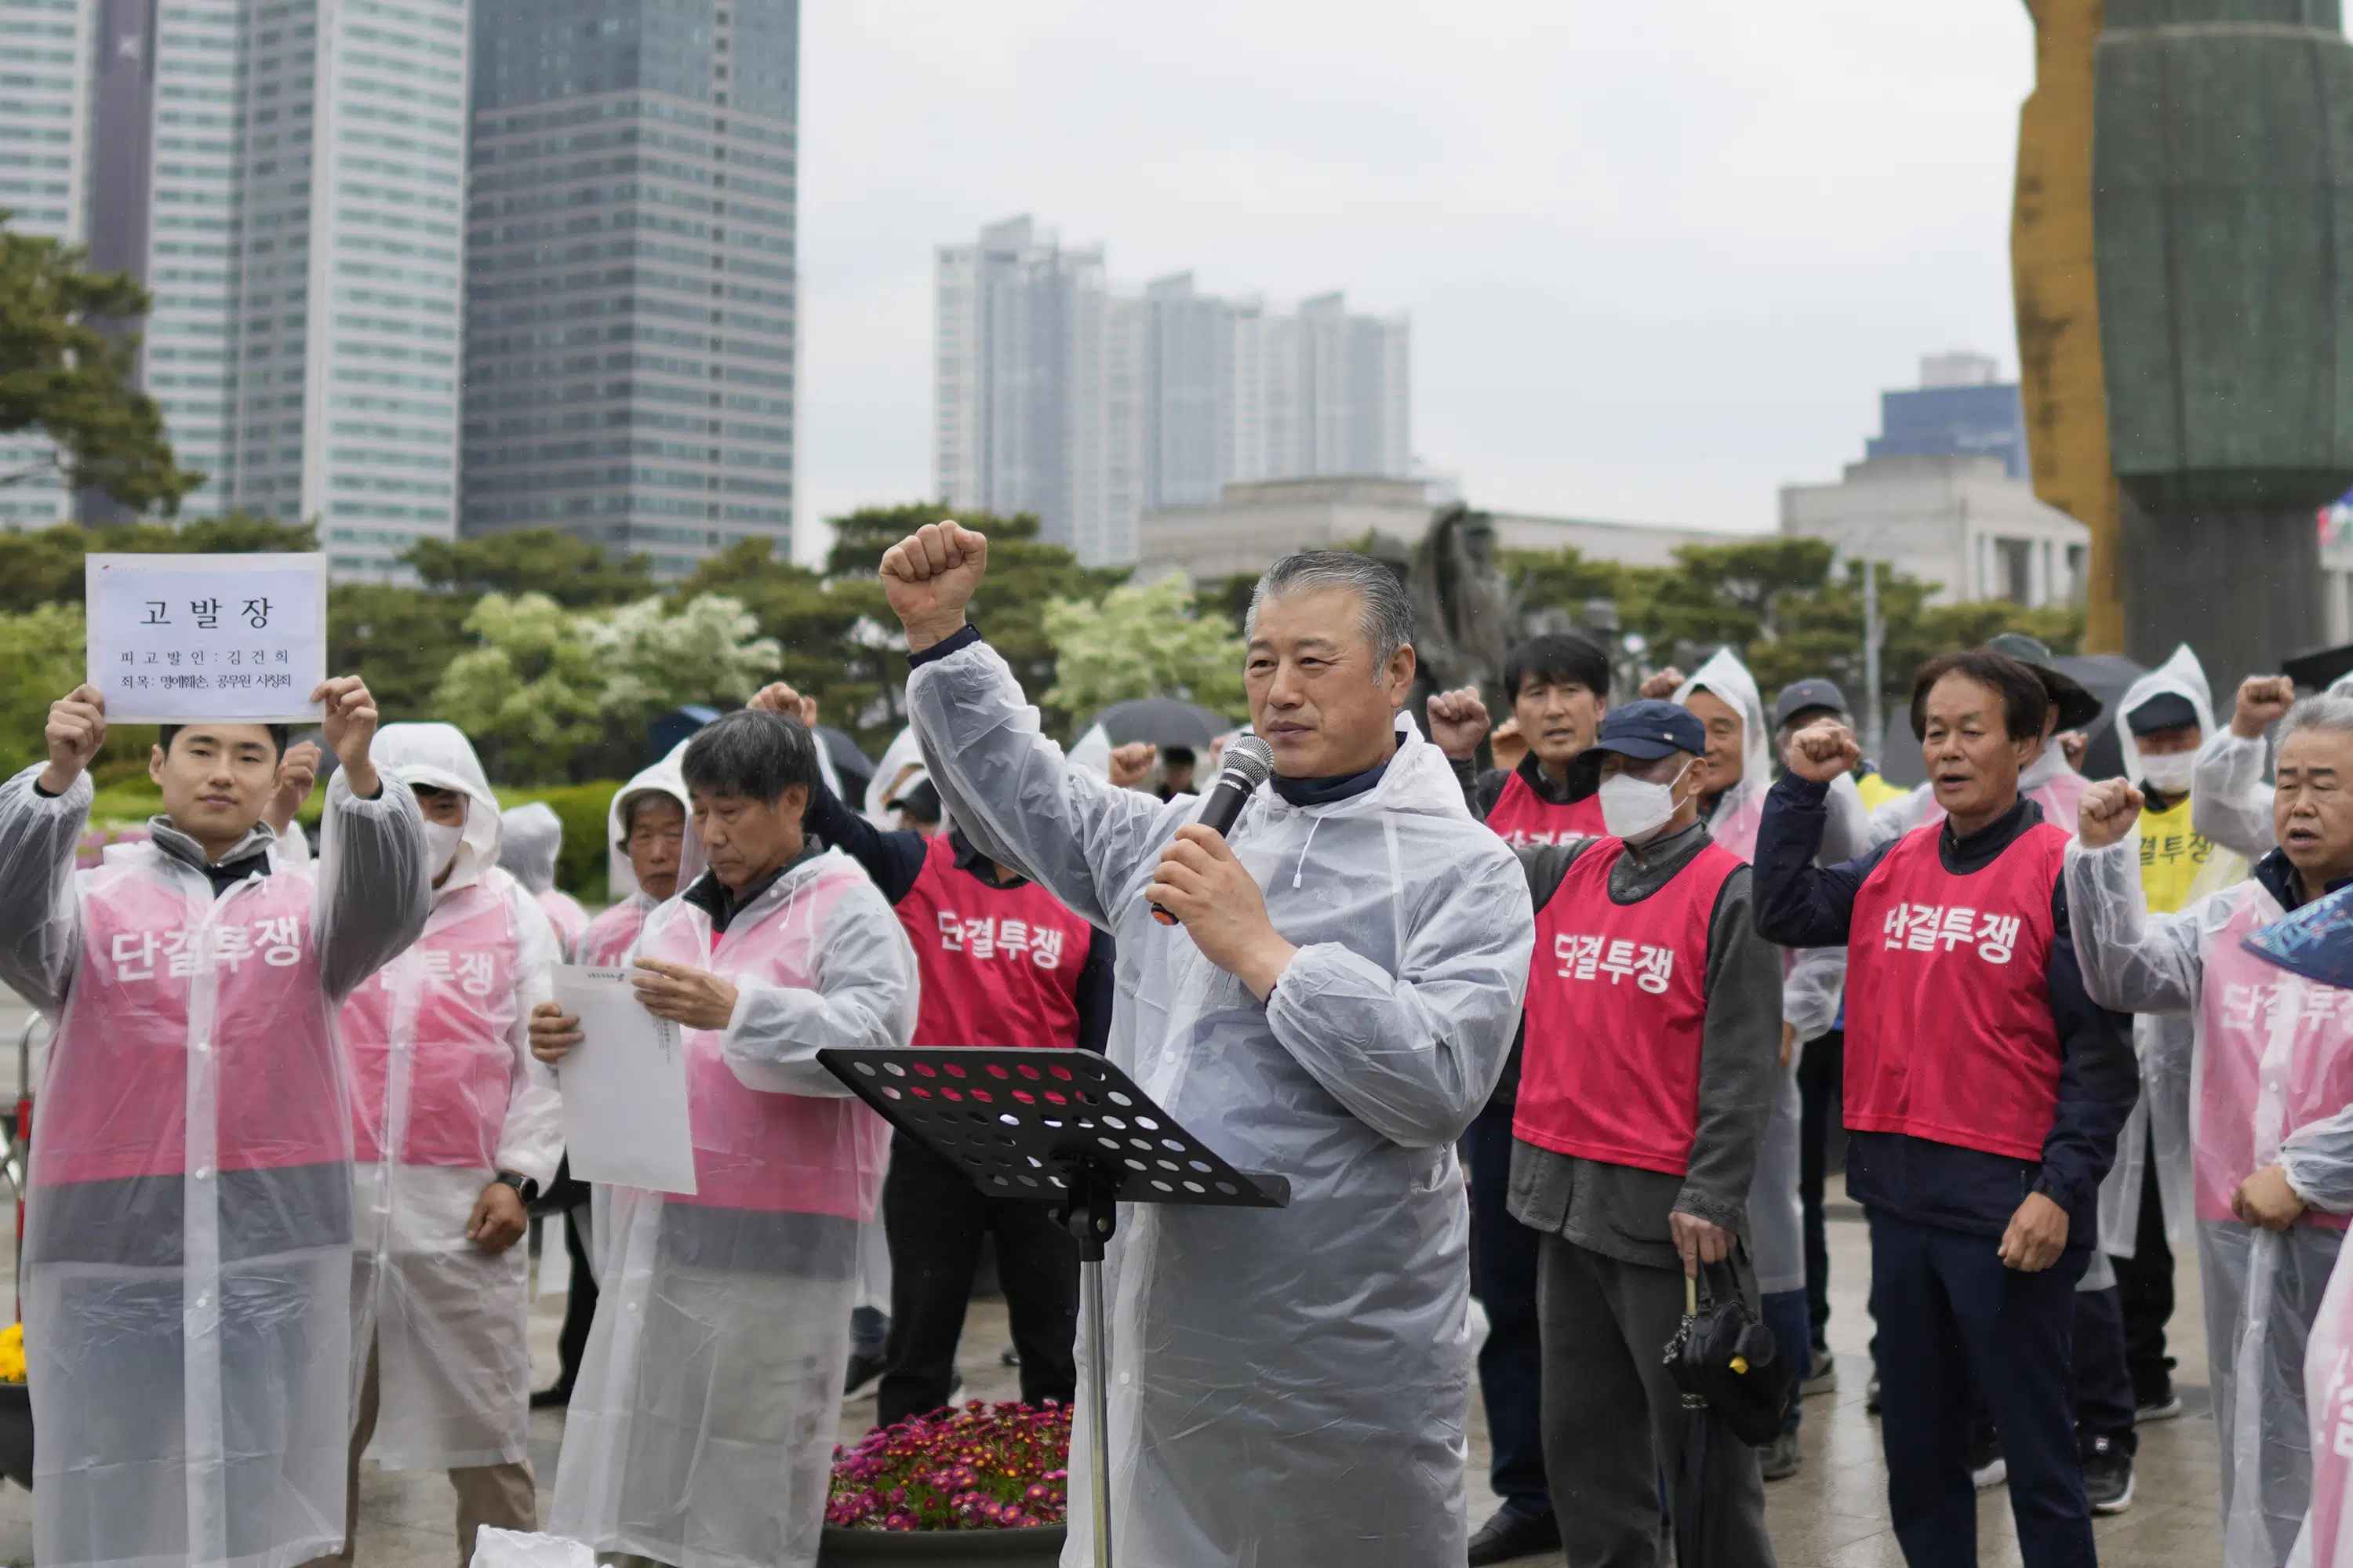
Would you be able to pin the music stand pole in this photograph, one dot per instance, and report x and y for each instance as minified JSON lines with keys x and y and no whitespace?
{"x":1090,"y":1219}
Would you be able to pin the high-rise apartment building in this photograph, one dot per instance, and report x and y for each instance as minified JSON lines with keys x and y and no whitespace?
{"x":45,"y":75}
{"x":631,"y":303}
{"x":1960,"y":407}
{"x":1056,"y":395}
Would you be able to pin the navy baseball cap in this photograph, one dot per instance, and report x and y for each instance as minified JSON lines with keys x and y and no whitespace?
{"x":1651,"y":730}
{"x":2167,"y":710}
{"x":1813,"y":692}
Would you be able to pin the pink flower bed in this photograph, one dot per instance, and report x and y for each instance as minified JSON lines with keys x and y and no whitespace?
{"x":95,"y":840}
{"x":978,"y":1467}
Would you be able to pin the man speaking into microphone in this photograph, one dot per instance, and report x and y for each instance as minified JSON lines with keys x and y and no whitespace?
{"x":1333,"y":1005}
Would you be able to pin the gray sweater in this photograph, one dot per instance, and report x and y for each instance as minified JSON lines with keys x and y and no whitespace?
{"x":1620,"y":1210}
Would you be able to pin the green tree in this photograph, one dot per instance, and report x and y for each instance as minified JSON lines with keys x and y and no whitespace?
{"x":1142,"y":642}
{"x":656,"y":654}
{"x":66,"y":366}
{"x":1024,"y":576}
{"x":45,"y":567}
{"x":41,"y":660}
{"x":531,"y":695}
{"x":1560,"y":580}
{"x":547,"y":561}
{"x":813,"y":626}
{"x":399,"y":640}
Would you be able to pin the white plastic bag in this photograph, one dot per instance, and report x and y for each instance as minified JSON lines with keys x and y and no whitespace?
{"x":496,"y":1547}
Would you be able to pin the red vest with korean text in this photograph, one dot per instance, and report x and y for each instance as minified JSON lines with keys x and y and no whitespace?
{"x":1617,"y":996}
{"x":1949,"y":1035}
{"x":1524,"y":817}
{"x":1000,"y":965}
{"x":169,"y":973}
{"x":435,"y":1024}
{"x":2276,"y":1053}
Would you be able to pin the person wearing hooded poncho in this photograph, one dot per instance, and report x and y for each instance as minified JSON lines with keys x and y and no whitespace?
{"x":648,"y":847}
{"x":1334,"y":1005}
{"x":2162,"y":721}
{"x":456,"y":1128}
{"x":188,"y":1214}
{"x":2230,"y":803}
{"x":2264,"y":1093}
{"x":527,"y":850}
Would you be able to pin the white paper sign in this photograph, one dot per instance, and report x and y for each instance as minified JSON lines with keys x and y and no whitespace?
{"x":178,"y":639}
{"x":625,"y":1117}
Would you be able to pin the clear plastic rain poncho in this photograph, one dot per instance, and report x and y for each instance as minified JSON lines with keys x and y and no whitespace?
{"x":1813,"y":978}
{"x":1288,"y":1386}
{"x":188,"y":1224}
{"x":2269,"y":1081}
{"x":2230,"y":801}
{"x":2159,"y":1127}
{"x":701,"y":1429}
{"x":445,"y":1094}
{"x":613,"y":933}
{"x":2327,"y":1539}
{"x":532,"y":844}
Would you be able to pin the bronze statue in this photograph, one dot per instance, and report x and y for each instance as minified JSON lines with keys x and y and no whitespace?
{"x":1464,"y":611}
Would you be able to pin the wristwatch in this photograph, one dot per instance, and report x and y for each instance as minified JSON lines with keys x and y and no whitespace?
{"x":524,"y":1187}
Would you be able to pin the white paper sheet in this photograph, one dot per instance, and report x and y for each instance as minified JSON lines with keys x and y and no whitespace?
{"x":175,"y":639}
{"x":624,"y":1115}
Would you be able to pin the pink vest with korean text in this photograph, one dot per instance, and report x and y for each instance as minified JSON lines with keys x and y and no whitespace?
{"x":2275,"y":1052}
{"x":1000,"y":966}
{"x":428,"y":1038}
{"x":564,"y":913}
{"x":755,"y":1149}
{"x":169,"y":976}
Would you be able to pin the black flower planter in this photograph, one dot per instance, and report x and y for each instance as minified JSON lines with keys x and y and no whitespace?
{"x":17,"y":1433}
{"x":1040,"y":1546}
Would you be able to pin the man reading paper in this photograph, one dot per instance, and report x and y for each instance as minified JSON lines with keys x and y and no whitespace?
{"x":1333,"y":1007}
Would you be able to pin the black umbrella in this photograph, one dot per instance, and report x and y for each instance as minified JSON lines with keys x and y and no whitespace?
{"x":1161,"y":721}
{"x":2105,"y":676}
{"x":855,"y":770}
{"x":1735,"y":1391}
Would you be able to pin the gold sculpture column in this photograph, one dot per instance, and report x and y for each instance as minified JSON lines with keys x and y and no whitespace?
{"x":2056,"y":290}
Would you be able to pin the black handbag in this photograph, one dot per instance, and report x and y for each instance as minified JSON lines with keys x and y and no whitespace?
{"x":1722,"y":1355}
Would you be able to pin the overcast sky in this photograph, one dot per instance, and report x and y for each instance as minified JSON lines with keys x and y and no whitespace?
{"x":1660,"y":257}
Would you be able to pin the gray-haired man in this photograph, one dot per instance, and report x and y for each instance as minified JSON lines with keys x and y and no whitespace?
{"x":1288,"y":1386}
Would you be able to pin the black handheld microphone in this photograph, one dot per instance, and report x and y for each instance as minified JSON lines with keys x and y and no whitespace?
{"x":1245,"y":765}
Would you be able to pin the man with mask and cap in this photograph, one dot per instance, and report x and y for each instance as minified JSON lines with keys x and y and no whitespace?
{"x":455,"y":1130}
{"x":2162,"y":721}
{"x":1001,"y":963}
{"x":1651,"y":1063}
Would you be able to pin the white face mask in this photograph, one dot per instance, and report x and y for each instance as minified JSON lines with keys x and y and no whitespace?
{"x":1635,"y":808}
{"x":2168,"y":773}
{"x":441,"y":842}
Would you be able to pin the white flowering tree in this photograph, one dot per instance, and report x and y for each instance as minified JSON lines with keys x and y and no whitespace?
{"x":653,"y":656}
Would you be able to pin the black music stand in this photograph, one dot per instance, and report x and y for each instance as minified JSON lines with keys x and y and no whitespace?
{"x":1061,"y":1126}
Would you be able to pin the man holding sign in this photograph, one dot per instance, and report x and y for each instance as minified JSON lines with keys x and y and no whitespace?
{"x":188,"y":1220}
{"x":701,"y":1432}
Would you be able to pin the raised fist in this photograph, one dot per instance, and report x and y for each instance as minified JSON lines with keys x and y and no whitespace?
{"x":1662,"y":687}
{"x":1131,"y":764}
{"x":297,"y":772}
{"x":350,"y":729}
{"x":930,"y":576}
{"x":2108,"y":811}
{"x":76,"y":728}
{"x":776,"y":697}
{"x":1458,"y":722}
{"x":1822,"y":751}
{"x":2261,"y":700}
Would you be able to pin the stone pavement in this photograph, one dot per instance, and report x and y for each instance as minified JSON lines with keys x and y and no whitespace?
{"x":1832,"y":1514}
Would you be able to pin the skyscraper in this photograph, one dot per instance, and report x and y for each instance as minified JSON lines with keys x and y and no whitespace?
{"x":1958,"y":406}
{"x":43,"y":143}
{"x":286,"y":177}
{"x":631,"y":302}
{"x":1056,"y":395}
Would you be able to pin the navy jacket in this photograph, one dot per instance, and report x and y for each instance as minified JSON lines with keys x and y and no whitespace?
{"x":1800,"y":905}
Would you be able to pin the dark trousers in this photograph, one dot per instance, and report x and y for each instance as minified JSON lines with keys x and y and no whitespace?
{"x":2103,"y":1387}
{"x":579,"y":1305}
{"x":1613,"y":1419}
{"x":934,"y":1217}
{"x":2145,"y":1281}
{"x":1951,"y":1316}
{"x":1821,"y":1078}
{"x":1510,"y":1362}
